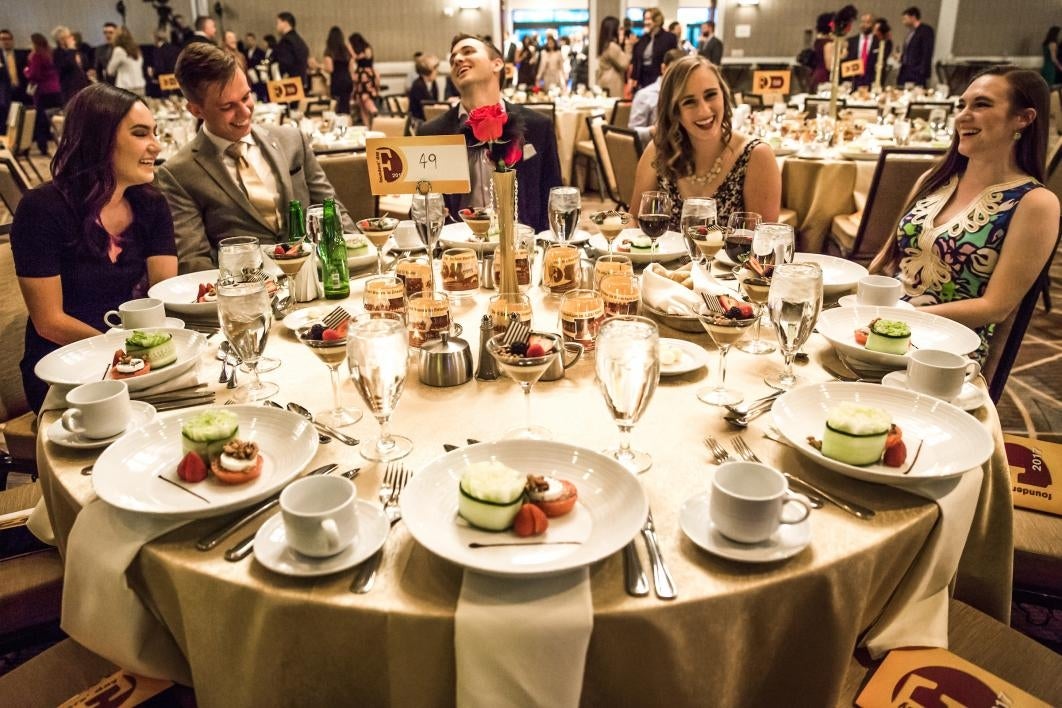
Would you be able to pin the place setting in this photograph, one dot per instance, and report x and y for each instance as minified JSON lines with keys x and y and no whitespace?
{"x":98,"y":414}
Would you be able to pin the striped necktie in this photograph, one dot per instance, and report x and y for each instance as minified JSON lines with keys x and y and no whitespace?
{"x":253,"y":186}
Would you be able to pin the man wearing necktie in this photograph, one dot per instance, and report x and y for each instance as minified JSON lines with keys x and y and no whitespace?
{"x":234,"y":178}
{"x":12,"y":77}
{"x":864,"y":46}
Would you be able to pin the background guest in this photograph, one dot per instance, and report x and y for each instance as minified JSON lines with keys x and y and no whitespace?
{"x":823,"y":50}
{"x":180,"y":32}
{"x":649,"y":51}
{"x":527,"y":68}
{"x":612,"y":60}
{"x":206,"y":31}
{"x":338,"y":59}
{"x":164,"y":59}
{"x":101,"y":56}
{"x":126,"y":65}
{"x":551,"y":72}
{"x":864,"y":46}
{"x":646,"y":101}
{"x":12,"y":73}
{"x":916,"y":61}
{"x":98,"y":234}
{"x":67,"y":58}
{"x":424,"y":88}
{"x":252,"y":50}
{"x":710,"y":47}
{"x":41,"y":72}
{"x":1051,"y":69}
{"x":883,"y":54}
{"x":366,"y":81}
{"x":291,"y":53}
{"x":677,"y":29}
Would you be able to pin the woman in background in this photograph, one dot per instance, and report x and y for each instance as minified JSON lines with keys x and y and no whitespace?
{"x":126,"y":64}
{"x":337,"y":62}
{"x":823,"y":48}
{"x":366,"y":82}
{"x":1052,"y":66}
{"x":424,"y":87}
{"x":612,"y":60}
{"x":47,"y":93}
{"x":551,"y":70}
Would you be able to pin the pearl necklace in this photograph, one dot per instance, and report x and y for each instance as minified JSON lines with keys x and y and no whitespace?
{"x":702,"y":180}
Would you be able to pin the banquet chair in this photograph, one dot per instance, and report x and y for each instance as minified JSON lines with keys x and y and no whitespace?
{"x":397,"y":104}
{"x":393,"y":126}
{"x":434,"y":109}
{"x":922,"y":109}
{"x":20,"y":135}
{"x":17,"y":422}
{"x":621,"y":114}
{"x":31,"y":573}
{"x":606,"y":180}
{"x":1056,"y":109}
{"x":816,"y":104}
{"x":549,"y":110}
{"x":623,"y":150}
{"x":585,"y":153}
{"x":349,"y":175}
{"x":859,"y":236}
{"x":11,"y":189}
{"x":754,"y":100}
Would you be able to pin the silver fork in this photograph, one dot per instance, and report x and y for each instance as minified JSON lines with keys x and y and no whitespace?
{"x":718,"y":451}
{"x":395,"y":479}
{"x":746,"y":453}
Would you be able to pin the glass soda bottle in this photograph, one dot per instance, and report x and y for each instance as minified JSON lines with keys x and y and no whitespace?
{"x":296,"y":222}
{"x":333,"y":253}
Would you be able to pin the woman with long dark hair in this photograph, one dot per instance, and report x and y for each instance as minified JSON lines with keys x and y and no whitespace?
{"x":823,"y":48}
{"x":981,"y":225}
{"x":337,"y":61}
{"x":366,"y":82}
{"x":47,"y":92}
{"x":96,"y":236}
{"x":1052,"y":66}
{"x":612,"y":60}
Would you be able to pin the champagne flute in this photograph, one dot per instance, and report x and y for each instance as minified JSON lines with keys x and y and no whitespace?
{"x":564,"y":206}
{"x":429,"y":215}
{"x":526,"y":371}
{"x":240,"y":261}
{"x":628,"y":371}
{"x":332,"y":351}
{"x":697,"y":215}
{"x":246,"y":317}
{"x":725,"y":331}
{"x":377,"y":353}
{"x":794,"y":302}
{"x":654,"y":215}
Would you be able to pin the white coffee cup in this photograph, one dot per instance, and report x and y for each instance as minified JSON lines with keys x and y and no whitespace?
{"x":319,"y":515}
{"x":879,"y":290}
{"x":137,"y":314}
{"x":747,"y":499}
{"x":406,"y":236}
{"x":98,"y":410}
{"x":938,"y":373}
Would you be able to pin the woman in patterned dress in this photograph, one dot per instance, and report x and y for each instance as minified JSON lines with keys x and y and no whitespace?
{"x":695,"y":153}
{"x":981,"y":225}
{"x":366,"y":81}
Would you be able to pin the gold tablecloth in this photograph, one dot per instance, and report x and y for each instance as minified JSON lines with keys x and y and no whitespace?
{"x":775,"y":634}
{"x":818,"y":190}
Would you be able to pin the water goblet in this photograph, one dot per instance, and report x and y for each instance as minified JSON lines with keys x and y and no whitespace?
{"x":697,"y":215}
{"x":246,"y":316}
{"x":526,"y":370}
{"x":754,"y":286}
{"x":240,"y":261}
{"x":378,"y":356}
{"x":794,"y":302}
{"x":564,"y":204}
{"x":628,"y":371}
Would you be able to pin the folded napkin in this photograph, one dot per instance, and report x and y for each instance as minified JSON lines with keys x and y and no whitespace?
{"x":522,"y":642}
{"x":100,"y":610}
{"x":917,"y":613}
{"x":663,"y":294}
{"x":56,"y":397}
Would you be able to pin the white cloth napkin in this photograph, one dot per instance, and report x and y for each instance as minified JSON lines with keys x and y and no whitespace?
{"x":56,"y":397}
{"x":100,"y":610}
{"x":917,"y":613}
{"x":663,"y":294}
{"x":522,"y":642}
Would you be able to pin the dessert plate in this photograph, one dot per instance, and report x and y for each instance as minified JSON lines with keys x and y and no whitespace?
{"x":361,"y":257}
{"x":301,"y":318}
{"x":669,"y":247}
{"x":127,"y":474}
{"x":178,"y":294}
{"x":692,"y":357}
{"x":610,"y":510}
{"x":271,"y":545}
{"x":952,"y":442}
{"x":970,"y":397}
{"x":88,"y":360}
{"x":853,"y":301}
{"x":140,"y":414}
{"x":786,"y":542}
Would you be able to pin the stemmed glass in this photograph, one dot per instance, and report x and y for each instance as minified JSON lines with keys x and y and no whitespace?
{"x":654,"y":214}
{"x":246,"y":317}
{"x":377,"y":353}
{"x":610,"y":223}
{"x":564,"y":206}
{"x":526,"y":371}
{"x":378,"y":231}
{"x":628,"y":371}
{"x":332,"y":350}
{"x":772,"y":243}
{"x":697,"y":215}
{"x":737,"y":235}
{"x":239,"y":261}
{"x":794,"y":303}
{"x":429,"y":215}
{"x":725,"y":331}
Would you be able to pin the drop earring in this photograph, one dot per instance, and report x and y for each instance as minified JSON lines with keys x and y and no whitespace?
{"x":1017,"y":135}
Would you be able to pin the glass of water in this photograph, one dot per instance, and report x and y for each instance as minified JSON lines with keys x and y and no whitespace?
{"x":377,"y":353}
{"x":793,"y":302}
{"x":697,"y":215}
{"x":628,"y":371}
{"x":246,"y":317}
{"x":429,"y":215}
{"x":564,"y":205}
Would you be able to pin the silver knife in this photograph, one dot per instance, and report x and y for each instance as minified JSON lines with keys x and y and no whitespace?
{"x":852,"y":508}
{"x":188,"y":403}
{"x":662,"y":582}
{"x":634,"y":574}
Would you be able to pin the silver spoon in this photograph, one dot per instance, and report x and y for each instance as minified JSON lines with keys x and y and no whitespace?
{"x":321,"y":437}
{"x":341,"y":437}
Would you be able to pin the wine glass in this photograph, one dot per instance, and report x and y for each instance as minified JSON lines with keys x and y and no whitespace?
{"x":794,"y":302}
{"x":526,"y":371}
{"x":772,"y":243}
{"x":628,"y":371}
{"x":564,"y":205}
{"x":697,"y":215}
{"x":378,"y":231}
{"x":738,"y":233}
{"x":331,"y":348}
{"x":377,"y":353}
{"x":901,"y":131}
{"x":246,"y":317}
{"x":725,"y":331}
{"x":654,"y":214}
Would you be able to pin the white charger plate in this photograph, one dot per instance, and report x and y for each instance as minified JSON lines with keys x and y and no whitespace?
{"x":85,"y":361}
{"x":140,"y":415}
{"x":610,"y":510}
{"x":125,"y":475}
{"x":928,"y":331}
{"x":786,"y":542}
{"x":693,"y":357}
{"x":970,"y":397}
{"x":169,"y":323}
{"x":579,"y":237}
{"x":853,"y":301}
{"x":363,"y":257}
{"x":952,"y":442}
{"x":669,"y":247}
{"x":179,"y":293}
{"x":271,"y":547}
{"x":838,"y":275}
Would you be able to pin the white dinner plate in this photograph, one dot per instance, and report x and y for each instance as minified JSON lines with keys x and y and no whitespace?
{"x":271,"y":545}
{"x":970,"y":397}
{"x":611,"y":508}
{"x":784,"y":151}
{"x":87,"y":360}
{"x":140,"y":415}
{"x":127,"y":474}
{"x":179,"y":293}
{"x":853,"y":300}
{"x":692,"y":357}
{"x":169,"y":323}
{"x":361,"y":258}
{"x":927,"y":332}
{"x":942,"y":441}
{"x":786,"y":542}
{"x":838,"y":275}
{"x":669,"y":247}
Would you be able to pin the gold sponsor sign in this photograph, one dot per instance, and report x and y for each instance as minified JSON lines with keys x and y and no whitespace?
{"x":286,"y":90}
{"x":770,"y":82}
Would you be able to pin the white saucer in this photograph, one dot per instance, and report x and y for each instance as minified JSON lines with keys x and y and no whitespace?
{"x":693,"y":357}
{"x":786,"y":542}
{"x":271,"y":546}
{"x":853,"y":300}
{"x":969,"y":398}
{"x":171,"y":323}
{"x":140,"y":414}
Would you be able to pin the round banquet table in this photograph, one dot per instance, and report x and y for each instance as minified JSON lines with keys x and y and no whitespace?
{"x":820,"y":189}
{"x":775,"y":634}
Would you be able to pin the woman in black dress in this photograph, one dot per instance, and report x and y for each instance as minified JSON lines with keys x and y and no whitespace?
{"x":337,"y":60}
{"x":366,"y":82}
{"x":96,"y":236}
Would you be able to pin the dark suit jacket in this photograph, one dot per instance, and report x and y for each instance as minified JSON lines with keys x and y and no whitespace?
{"x":646,"y":75}
{"x":255,"y":57}
{"x":712,"y":50}
{"x":72,"y":76}
{"x":420,"y":92}
{"x":100,"y":57}
{"x":916,"y":64}
{"x":872,"y":55}
{"x":291,"y":55}
{"x":535,"y":175}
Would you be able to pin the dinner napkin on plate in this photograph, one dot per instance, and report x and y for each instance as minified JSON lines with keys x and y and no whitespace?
{"x":663,"y":294}
{"x":522,"y":642}
{"x":917,"y":613}
{"x":100,"y":610}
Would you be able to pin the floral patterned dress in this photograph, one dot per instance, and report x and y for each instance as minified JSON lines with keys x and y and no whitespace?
{"x":954,"y":260}
{"x":729,"y":197}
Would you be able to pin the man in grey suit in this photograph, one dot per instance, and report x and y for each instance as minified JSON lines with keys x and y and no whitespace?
{"x":234,"y":178}
{"x":709,"y":46}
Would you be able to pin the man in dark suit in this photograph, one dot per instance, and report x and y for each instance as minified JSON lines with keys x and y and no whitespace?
{"x":206,"y":31}
{"x":102,"y":54}
{"x":255,"y":54}
{"x":710,"y":47}
{"x":649,"y":51}
{"x":916,"y":62}
{"x":291,"y":54}
{"x":864,"y":46}
{"x":12,"y":74}
{"x":163,"y":61}
{"x":233,"y":178}
{"x":474,"y":67}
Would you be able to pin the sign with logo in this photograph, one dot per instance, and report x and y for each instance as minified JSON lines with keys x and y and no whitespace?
{"x":286,"y":90}
{"x":770,"y":82}
{"x":119,"y":690}
{"x":851,"y":68}
{"x":168,"y":82}
{"x":1033,"y":464}
{"x":436,"y":163}
{"x":936,"y":677}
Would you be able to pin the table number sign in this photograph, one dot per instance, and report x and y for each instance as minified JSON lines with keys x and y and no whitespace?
{"x":119,"y":690}
{"x":851,"y":68}
{"x":168,"y":82}
{"x":1033,"y":464}
{"x":770,"y":82}
{"x":286,"y":90}
{"x":437,"y":163}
